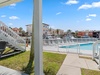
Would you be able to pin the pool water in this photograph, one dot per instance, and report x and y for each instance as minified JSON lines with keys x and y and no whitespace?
{"x":87,"y":46}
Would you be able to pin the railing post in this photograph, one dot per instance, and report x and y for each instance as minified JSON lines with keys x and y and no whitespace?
{"x":66,"y":48}
{"x":79,"y":48}
{"x":99,"y":59}
{"x":57,"y":45}
{"x":93,"y":57}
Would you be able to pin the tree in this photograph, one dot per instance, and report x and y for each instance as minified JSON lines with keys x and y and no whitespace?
{"x":53,"y":33}
{"x":20,"y":29}
{"x":73,"y":33}
{"x":10,"y":27}
{"x":57,"y":31}
{"x":69,"y":31}
{"x":30,"y":67}
{"x":76,"y":33}
{"x":23,"y":33}
{"x":26,"y":34}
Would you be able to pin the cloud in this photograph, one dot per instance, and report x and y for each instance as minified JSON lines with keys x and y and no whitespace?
{"x":88,"y":19}
{"x":3,"y":16}
{"x":87,"y":6}
{"x":13,"y":17}
{"x":96,"y":4}
{"x":92,"y":15}
{"x":58,"y":13}
{"x":69,"y":2}
{"x":13,"y":5}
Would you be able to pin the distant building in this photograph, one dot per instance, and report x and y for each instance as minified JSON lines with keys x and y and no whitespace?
{"x":60,"y":32}
{"x":56,"y":31}
{"x":85,"y":33}
{"x":29,"y":29}
{"x":45,"y":29}
{"x":17,"y":30}
{"x":52,"y":31}
{"x":96,"y":34}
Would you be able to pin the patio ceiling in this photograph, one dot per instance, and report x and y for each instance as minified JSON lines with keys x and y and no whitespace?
{"x":7,"y":2}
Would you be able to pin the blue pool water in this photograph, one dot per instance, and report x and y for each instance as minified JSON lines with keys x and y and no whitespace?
{"x":87,"y":46}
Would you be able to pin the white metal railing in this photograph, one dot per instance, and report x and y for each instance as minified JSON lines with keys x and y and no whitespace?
{"x":96,"y":52}
{"x":95,"y":49}
{"x":12,"y":35}
{"x":67,"y":45}
{"x":66,"y":41}
{"x":99,"y":58}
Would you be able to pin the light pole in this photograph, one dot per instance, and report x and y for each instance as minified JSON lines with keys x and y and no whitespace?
{"x":37,"y":28}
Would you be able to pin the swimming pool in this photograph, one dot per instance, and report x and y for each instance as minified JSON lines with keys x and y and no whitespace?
{"x":86,"y":46}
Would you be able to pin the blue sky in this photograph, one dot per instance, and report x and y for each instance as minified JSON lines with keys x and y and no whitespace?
{"x":62,"y":14}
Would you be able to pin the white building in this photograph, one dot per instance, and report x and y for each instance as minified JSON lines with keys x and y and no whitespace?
{"x":45,"y":29}
{"x":29,"y":29}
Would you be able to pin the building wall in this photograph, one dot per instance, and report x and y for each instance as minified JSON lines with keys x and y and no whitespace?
{"x":83,"y":33}
{"x":52,"y":31}
{"x":16,"y":30}
{"x":45,"y":29}
{"x":61,"y":32}
{"x":29,"y":29}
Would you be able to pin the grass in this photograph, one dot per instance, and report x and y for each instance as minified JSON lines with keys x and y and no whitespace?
{"x":52,"y":62}
{"x":7,"y":50}
{"x":89,"y":72}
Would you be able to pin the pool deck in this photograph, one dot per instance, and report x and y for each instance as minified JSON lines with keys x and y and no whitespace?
{"x":69,"y":66}
{"x":72,"y":65}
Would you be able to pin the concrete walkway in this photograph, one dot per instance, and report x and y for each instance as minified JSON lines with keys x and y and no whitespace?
{"x":72,"y":65}
{"x":8,"y":71}
{"x":69,"y":66}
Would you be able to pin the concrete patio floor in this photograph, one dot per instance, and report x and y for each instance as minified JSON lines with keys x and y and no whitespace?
{"x":72,"y":65}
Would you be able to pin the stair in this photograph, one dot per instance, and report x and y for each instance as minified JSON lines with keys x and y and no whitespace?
{"x":8,"y":38}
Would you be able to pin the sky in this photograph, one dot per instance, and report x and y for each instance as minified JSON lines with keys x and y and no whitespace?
{"x":59,"y":14}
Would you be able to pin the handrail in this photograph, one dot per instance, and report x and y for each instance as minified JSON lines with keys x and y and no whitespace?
{"x":94,"y":48}
{"x":14,"y":33}
{"x":96,"y":54}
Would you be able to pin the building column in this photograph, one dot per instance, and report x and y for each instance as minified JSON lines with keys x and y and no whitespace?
{"x":38,"y":39}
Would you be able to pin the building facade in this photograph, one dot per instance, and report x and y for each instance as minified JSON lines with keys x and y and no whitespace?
{"x":17,"y":30}
{"x":45,"y":29}
{"x":85,"y":33}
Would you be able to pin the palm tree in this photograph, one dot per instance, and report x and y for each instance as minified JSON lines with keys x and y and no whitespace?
{"x":57,"y":31}
{"x":69,"y":31}
{"x":30,"y":67}
{"x":20,"y":29}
